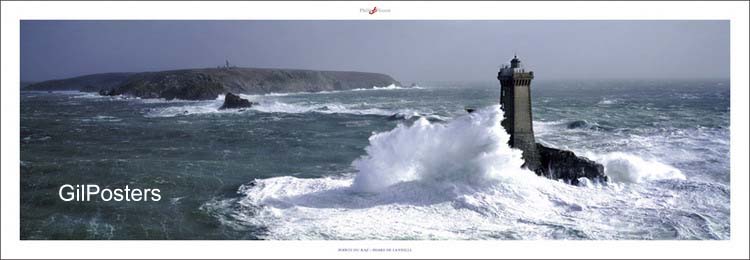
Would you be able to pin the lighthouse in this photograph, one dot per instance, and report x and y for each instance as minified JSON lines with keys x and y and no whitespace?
{"x":515,"y":100}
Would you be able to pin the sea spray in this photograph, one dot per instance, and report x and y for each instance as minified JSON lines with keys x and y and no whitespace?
{"x":470,"y":149}
{"x":628,"y":168}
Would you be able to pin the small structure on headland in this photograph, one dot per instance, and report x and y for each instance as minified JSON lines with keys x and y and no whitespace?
{"x":515,"y":100}
{"x":226,"y":65}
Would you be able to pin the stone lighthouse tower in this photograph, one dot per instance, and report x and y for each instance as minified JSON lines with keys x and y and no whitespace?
{"x":515,"y":100}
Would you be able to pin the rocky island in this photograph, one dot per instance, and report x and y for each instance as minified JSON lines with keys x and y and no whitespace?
{"x":206,"y":84}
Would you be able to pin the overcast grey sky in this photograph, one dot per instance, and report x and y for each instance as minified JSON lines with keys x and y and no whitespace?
{"x":407,"y":50}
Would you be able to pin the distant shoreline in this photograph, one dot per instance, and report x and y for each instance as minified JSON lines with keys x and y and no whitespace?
{"x":208,"y":83}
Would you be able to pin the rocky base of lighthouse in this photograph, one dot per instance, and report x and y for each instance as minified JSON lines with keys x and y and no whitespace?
{"x":564,"y":165}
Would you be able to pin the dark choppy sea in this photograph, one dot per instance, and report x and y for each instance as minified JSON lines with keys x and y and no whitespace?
{"x":389,"y":163}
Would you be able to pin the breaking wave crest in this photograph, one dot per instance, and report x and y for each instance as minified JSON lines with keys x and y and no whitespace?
{"x":628,"y":168}
{"x":471,"y":149}
{"x":606,"y":101}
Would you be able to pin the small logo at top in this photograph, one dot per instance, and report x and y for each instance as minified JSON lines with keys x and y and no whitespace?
{"x":374,"y":10}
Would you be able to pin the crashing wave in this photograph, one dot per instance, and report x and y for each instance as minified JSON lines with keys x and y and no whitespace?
{"x":475,"y":145}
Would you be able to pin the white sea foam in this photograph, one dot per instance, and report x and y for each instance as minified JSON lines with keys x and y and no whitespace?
{"x":83,"y":95}
{"x":628,"y":165}
{"x":196,"y":108}
{"x":273,"y":105}
{"x":97,"y":97}
{"x":101,"y":118}
{"x":389,"y":87}
{"x":606,"y":101}
{"x":623,"y":167}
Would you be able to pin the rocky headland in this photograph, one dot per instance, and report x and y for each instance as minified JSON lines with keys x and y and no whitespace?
{"x":87,"y":83}
{"x":205,"y":84}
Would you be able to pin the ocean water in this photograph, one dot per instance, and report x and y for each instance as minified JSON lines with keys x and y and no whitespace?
{"x":387,"y":163}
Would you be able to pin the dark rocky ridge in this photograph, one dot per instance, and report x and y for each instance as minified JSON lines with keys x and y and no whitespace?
{"x":202,"y":84}
{"x":87,"y":83}
{"x":180,"y":84}
{"x":564,"y":165}
{"x":26,"y":84}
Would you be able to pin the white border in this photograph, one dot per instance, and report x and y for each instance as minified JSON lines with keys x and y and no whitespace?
{"x":13,"y":12}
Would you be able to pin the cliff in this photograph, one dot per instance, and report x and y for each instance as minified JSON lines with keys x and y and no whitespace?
{"x":201,"y":84}
{"x":89,"y":83}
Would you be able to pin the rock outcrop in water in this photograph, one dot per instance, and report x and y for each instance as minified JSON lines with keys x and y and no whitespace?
{"x":206,"y":84}
{"x":565,"y":165}
{"x":235,"y":101}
